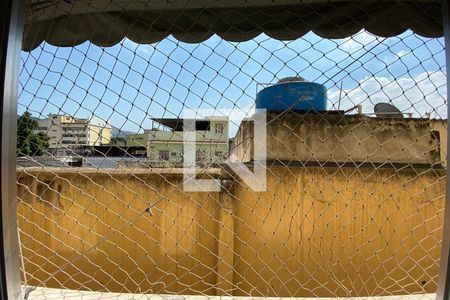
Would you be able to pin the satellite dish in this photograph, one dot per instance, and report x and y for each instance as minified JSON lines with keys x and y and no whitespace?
{"x":386,"y":110}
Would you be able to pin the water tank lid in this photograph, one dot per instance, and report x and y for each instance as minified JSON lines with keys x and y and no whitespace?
{"x":292,"y":79}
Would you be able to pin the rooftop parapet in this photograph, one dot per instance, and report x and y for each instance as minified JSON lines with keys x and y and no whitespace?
{"x":343,"y":139}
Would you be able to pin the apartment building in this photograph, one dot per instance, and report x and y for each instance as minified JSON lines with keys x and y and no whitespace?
{"x":68,"y":132}
{"x":165,"y":146}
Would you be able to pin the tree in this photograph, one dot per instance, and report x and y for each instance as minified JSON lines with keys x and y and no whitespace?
{"x":29,"y":142}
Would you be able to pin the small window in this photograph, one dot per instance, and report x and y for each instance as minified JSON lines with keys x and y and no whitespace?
{"x":219,"y":128}
{"x":200,"y":156}
{"x":435,"y":134}
{"x":218,"y":154}
{"x":164,"y":154}
{"x":173,"y":154}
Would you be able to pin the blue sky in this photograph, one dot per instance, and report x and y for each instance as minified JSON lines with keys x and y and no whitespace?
{"x":127,"y":84}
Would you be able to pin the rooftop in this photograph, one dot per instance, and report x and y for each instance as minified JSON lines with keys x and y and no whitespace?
{"x":176,"y":124}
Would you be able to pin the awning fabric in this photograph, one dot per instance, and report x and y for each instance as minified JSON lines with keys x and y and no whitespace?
{"x":107,"y":22}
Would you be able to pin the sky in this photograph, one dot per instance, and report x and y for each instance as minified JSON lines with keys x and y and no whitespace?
{"x":128,"y":84}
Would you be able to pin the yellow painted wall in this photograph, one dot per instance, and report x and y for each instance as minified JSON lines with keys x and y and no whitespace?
{"x":101,"y":237}
{"x":315,"y":232}
{"x":348,"y":232}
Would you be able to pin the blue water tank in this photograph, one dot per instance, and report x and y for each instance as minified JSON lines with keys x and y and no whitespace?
{"x":293,"y":93}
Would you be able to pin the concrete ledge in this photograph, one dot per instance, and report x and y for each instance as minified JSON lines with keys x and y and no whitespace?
{"x":342,"y":139}
{"x":118,"y":171}
{"x":40,"y":293}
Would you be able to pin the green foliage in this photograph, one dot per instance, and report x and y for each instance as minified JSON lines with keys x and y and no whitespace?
{"x":29,"y":142}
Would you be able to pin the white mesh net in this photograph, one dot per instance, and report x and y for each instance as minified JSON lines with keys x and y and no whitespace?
{"x":355,"y":150}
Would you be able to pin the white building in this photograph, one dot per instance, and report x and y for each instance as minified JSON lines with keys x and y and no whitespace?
{"x":67,"y":132}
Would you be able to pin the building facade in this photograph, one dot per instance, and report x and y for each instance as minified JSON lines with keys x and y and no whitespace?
{"x":137,"y":139}
{"x":165,"y":147}
{"x":68,"y":132}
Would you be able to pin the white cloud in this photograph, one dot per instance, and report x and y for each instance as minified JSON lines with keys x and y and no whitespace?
{"x":426,"y":92}
{"x":359,"y":40}
{"x":402,"y":53}
{"x":143,"y":49}
{"x":140,"y":48}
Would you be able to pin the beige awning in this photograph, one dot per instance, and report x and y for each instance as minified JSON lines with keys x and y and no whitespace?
{"x":107,"y":22}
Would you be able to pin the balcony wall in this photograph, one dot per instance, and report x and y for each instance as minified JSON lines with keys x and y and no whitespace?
{"x":316,"y":232}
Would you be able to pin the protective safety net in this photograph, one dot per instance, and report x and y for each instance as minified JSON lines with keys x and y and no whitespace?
{"x":231,"y":148}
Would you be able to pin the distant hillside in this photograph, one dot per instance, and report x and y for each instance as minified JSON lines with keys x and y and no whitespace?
{"x":116,"y":132}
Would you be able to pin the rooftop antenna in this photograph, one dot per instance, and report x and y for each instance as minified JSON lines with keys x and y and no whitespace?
{"x":340,"y":96}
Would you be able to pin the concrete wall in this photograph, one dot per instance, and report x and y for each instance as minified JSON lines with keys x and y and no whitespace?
{"x":98,"y":235}
{"x":441,"y":127}
{"x":324,"y":232}
{"x":315,"y":232}
{"x":312,"y":138}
